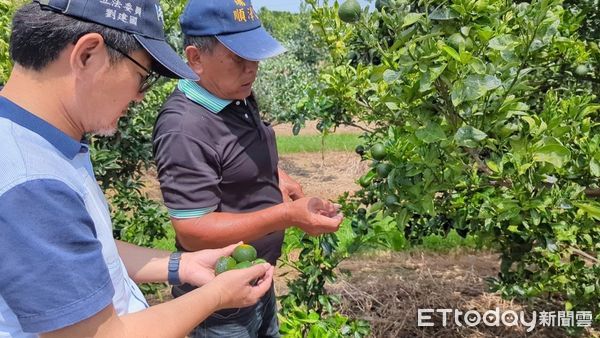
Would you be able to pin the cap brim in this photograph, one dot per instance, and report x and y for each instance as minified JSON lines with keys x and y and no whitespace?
{"x":169,"y":63}
{"x":253,"y":45}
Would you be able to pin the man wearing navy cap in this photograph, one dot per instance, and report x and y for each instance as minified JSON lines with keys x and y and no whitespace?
{"x":78,"y":65}
{"x":217,"y":161}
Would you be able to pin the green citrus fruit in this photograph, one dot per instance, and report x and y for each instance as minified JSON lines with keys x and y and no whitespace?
{"x":223,"y":264}
{"x":360,"y":149}
{"x":391,"y":200}
{"x":258,"y":261}
{"x":384,"y":169}
{"x":349,"y":11}
{"x":364,"y":181}
{"x":381,"y":4}
{"x":244,"y":253}
{"x":378,"y":151}
{"x":243,"y":265}
{"x":581,"y":70}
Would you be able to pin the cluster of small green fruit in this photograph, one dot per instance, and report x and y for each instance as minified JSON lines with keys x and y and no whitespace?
{"x":243,"y":256}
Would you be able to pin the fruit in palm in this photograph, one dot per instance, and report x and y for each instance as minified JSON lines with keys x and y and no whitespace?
{"x":349,"y":11}
{"x":378,"y":151}
{"x":224,"y":263}
{"x":244,"y":253}
{"x":243,"y":265}
{"x":258,"y":261}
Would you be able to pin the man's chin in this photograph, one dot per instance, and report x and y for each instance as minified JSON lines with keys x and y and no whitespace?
{"x":105,"y":132}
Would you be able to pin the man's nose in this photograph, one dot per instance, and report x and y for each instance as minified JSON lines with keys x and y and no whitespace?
{"x":251,"y":66}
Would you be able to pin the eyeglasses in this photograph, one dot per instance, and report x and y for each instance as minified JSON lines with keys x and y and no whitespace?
{"x":148,"y":80}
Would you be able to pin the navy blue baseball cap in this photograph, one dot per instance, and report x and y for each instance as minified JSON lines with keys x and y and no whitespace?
{"x":234,"y":23}
{"x":142,"y":18}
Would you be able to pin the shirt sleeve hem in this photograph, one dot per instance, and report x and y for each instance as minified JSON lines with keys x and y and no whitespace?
{"x":191,"y":213}
{"x":70,"y":314}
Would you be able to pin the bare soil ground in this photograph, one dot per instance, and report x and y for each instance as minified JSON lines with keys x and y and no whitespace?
{"x":385,"y":288}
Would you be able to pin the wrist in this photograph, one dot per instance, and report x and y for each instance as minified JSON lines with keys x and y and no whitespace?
{"x":214,"y":295}
{"x":173,"y":269}
{"x":288,"y":215}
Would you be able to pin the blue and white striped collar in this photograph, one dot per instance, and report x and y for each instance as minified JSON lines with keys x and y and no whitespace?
{"x":201,"y":96}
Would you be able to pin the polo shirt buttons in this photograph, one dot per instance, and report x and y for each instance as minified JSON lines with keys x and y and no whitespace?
{"x":237,"y":103}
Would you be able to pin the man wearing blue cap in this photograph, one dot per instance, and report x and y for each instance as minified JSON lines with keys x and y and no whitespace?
{"x":217,"y":161}
{"x":78,"y":65}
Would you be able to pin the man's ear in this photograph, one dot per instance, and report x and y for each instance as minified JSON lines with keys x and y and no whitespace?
{"x":88,"y":53}
{"x":195,"y":59}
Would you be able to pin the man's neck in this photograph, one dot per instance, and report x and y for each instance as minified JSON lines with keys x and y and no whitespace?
{"x":40,"y":96}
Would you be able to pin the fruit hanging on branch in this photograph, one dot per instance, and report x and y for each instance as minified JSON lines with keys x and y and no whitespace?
{"x":350,"y":11}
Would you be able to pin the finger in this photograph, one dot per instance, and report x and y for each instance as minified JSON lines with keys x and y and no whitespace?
{"x":256,"y":271}
{"x":329,"y":224}
{"x":264,"y":284}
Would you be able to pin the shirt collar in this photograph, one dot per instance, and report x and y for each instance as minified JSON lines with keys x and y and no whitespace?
{"x":53,"y":135}
{"x":201,"y":96}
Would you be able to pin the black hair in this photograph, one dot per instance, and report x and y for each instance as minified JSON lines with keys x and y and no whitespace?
{"x":205,"y":44}
{"x":39,"y":36}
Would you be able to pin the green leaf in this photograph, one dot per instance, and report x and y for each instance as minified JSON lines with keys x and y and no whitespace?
{"x":390,"y":76}
{"x":443,"y":13}
{"x":478,"y":66}
{"x":450,"y":51}
{"x":430,"y":76}
{"x":595,"y":168}
{"x":458,"y":93}
{"x":592,"y":210}
{"x":502,"y":42}
{"x":476,"y":86}
{"x":431,"y":133}
{"x":411,"y":18}
{"x":555,"y":154}
{"x":468,"y":136}
{"x":473,"y":87}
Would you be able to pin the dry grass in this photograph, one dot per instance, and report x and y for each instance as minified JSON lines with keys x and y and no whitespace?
{"x":388,"y":288}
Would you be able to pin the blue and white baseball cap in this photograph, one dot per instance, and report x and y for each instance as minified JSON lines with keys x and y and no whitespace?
{"x":234,"y":23}
{"x":142,"y":18}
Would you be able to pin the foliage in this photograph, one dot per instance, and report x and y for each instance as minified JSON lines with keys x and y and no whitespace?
{"x":280,"y":85}
{"x":7,"y":8}
{"x":590,"y":16}
{"x":303,"y":322}
{"x":282,"y":80}
{"x":486,"y":128}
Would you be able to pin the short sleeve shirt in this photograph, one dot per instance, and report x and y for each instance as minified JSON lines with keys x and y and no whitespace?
{"x":216,"y":155}
{"x":60,"y":264}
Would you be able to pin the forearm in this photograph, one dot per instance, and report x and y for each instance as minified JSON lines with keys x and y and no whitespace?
{"x":219,"y":229}
{"x":175,"y":318}
{"x":144,"y":265}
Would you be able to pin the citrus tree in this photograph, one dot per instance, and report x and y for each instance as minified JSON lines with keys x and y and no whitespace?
{"x":482,"y":119}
